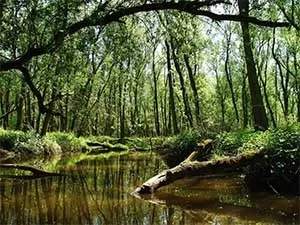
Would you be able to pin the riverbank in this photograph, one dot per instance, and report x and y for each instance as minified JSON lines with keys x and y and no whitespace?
{"x":268,"y":160}
{"x":278,"y":170}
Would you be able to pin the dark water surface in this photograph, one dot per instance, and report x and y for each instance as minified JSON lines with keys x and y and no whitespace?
{"x":97,"y":191}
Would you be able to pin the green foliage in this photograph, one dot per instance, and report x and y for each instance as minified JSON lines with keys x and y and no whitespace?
{"x":27,"y":143}
{"x":137,"y":142}
{"x":282,"y":138}
{"x":281,"y":148}
{"x":38,"y":146}
{"x":103,"y":139}
{"x":185,"y":141}
{"x":229,"y":143}
{"x":68,"y":142}
{"x":9,"y":139}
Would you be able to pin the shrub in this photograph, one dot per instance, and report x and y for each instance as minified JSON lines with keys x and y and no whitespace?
{"x":229,"y":143}
{"x":68,"y":141}
{"x":186,"y":141}
{"x":9,"y":138}
{"x":37,"y":146}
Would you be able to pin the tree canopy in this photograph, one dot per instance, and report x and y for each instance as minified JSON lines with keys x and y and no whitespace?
{"x":148,"y":67}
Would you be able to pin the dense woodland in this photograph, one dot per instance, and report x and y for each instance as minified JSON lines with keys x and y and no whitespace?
{"x":148,"y":68}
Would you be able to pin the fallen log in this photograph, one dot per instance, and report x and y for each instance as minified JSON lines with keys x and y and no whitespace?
{"x":100,"y":148}
{"x":195,"y":168}
{"x":35,"y":171}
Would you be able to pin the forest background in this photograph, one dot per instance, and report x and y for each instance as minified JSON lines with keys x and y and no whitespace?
{"x":98,"y":68}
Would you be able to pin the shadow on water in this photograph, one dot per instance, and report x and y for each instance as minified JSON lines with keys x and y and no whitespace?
{"x":97,"y":191}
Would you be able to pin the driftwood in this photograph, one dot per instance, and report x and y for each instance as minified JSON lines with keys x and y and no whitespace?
{"x":195,"y":168}
{"x":35,"y":171}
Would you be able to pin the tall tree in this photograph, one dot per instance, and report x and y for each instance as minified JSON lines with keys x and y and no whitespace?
{"x":260,"y":120}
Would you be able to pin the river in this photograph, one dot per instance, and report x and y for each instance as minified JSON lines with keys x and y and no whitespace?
{"x":97,"y":191}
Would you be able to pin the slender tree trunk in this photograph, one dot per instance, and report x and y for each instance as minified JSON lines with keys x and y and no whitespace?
{"x":222,"y":98}
{"x":121,"y":115}
{"x":195,"y":91}
{"x":155,"y":99}
{"x":187,"y":108}
{"x":297,"y":85}
{"x":46,"y":123}
{"x":7,"y":104}
{"x":245,"y":102}
{"x":283,"y":101}
{"x":260,"y":119}
{"x":20,"y":107}
{"x":263,"y":80}
{"x":29,"y":110}
{"x":1,"y":105}
{"x":48,"y":116}
{"x":229,"y":80}
{"x":285,"y":87}
{"x":164,"y":112}
{"x":172,"y":109}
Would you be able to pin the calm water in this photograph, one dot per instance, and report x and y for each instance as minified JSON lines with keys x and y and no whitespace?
{"x":97,"y":191}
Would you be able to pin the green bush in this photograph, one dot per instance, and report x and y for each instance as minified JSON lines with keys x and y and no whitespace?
{"x":280,"y":167}
{"x":68,"y":142}
{"x":186,"y":141}
{"x":9,"y":138}
{"x":282,"y":138}
{"x":37,"y":146}
{"x":230,"y":143}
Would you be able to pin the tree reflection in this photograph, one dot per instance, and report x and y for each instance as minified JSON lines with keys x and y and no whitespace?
{"x":93,"y":192}
{"x":98,"y":192}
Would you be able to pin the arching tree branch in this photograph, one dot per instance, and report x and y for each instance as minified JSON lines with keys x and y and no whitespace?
{"x":103,"y":18}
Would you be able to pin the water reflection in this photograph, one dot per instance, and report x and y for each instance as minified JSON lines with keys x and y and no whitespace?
{"x":98,"y":192}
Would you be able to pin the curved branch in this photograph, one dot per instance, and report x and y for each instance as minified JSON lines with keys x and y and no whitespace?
{"x":37,"y":172}
{"x":42,"y":107}
{"x":104,"y":19}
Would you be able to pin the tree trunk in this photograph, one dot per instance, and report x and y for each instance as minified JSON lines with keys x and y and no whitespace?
{"x":284,"y":81}
{"x":229,"y":80}
{"x":20,"y":106}
{"x":187,"y":108}
{"x":297,"y":84}
{"x":245,"y":102}
{"x":6,"y":104}
{"x":194,"y":168}
{"x":195,"y":91}
{"x":172,"y":109}
{"x":260,"y":119}
{"x":263,"y":79}
{"x":155,"y":97}
{"x":222,"y":98}
{"x":29,"y":111}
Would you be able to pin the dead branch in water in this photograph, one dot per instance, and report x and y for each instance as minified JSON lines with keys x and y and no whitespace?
{"x":36,"y":172}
